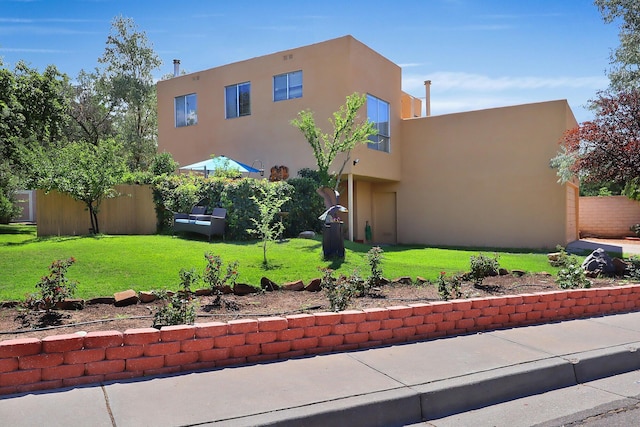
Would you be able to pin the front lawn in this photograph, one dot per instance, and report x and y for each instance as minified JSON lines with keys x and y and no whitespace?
{"x":108,"y":264}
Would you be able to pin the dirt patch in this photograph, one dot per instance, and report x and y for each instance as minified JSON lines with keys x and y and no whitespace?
{"x":17,"y":322}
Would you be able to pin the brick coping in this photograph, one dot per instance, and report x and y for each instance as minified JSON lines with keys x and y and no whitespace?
{"x":30,"y":364}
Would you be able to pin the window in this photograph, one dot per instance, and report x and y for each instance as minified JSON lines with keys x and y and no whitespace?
{"x":287,"y":86}
{"x":378,"y":114}
{"x":238,"y":100}
{"x":186,"y":110}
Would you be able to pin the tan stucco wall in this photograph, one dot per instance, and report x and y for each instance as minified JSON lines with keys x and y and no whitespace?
{"x":331,"y":71}
{"x":482,"y":178}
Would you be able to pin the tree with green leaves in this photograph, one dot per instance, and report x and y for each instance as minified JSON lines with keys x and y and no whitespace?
{"x":625,"y":60}
{"x":348,"y":131}
{"x":33,"y":115}
{"x":129,"y":61}
{"x":92,"y":109}
{"x":84,"y":171}
{"x":268,"y":226}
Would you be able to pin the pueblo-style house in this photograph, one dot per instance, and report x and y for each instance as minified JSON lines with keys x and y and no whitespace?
{"x":477,"y":179}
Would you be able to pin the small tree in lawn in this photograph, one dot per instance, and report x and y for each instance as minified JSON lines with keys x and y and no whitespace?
{"x":267,"y":227}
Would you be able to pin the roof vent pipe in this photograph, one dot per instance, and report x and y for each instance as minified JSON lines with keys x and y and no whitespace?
{"x":176,"y":67}
{"x":427,"y":99}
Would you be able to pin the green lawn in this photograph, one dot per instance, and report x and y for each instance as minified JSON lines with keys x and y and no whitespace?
{"x":108,"y":264}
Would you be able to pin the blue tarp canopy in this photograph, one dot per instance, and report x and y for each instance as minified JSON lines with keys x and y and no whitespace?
{"x":220,"y":162}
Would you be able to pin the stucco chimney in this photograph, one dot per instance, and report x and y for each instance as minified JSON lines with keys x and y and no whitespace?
{"x":427,"y":99}
{"x":176,"y":67}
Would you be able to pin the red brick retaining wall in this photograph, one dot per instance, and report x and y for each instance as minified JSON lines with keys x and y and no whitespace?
{"x":30,"y":364}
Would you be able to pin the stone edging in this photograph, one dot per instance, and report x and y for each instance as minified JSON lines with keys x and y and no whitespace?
{"x":30,"y":364}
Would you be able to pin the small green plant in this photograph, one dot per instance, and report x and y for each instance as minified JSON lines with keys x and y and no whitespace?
{"x":181,"y":309}
{"x":339,"y":291}
{"x":483,"y":266}
{"x":374,"y":258}
{"x":636,"y":229}
{"x":562,"y":258}
{"x":571,"y":275}
{"x":213,"y":278}
{"x":449,"y":288}
{"x":55,"y":287}
{"x":633,"y":267}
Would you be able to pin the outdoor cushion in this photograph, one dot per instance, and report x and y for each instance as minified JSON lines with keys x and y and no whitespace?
{"x":202,"y":222}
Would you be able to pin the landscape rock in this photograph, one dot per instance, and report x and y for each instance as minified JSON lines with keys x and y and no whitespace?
{"x":298,"y":285}
{"x":314,"y":285}
{"x":203,"y":292}
{"x":146,"y":297}
{"x":101,"y":300}
{"x":503,"y":271}
{"x":518,"y":273}
{"x":620,"y":266}
{"x":70,"y":304}
{"x":128,"y":297}
{"x":599,"y":262}
{"x":268,"y":284}
{"x":244,"y":289}
{"x":420,"y":280}
{"x":226,"y":289}
{"x":553,"y":257}
{"x":307,"y":235}
{"x":405,"y":280}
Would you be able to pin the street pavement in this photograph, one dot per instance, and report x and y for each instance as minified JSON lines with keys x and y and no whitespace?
{"x":422,"y":383}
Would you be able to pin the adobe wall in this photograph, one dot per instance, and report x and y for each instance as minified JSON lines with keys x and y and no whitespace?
{"x":31,"y":364}
{"x":610,"y":216}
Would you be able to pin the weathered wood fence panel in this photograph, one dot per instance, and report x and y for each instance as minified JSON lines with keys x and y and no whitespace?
{"x":609,"y":216}
{"x":133,"y":212}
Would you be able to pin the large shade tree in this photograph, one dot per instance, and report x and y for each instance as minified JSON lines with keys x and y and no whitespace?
{"x":606,"y":149}
{"x":128,"y":65}
{"x":625,"y":59}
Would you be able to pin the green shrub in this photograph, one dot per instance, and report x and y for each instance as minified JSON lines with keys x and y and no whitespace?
{"x":55,"y":287}
{"x":339,"y":291}
{"x":449,"y":288}
{"x":304,"y":207}
{"x":483,"y":266}
{"x":636,"y":229}
{"x":181,"y":309}
{"x":633,"y":267}
{"x":571,"y":275}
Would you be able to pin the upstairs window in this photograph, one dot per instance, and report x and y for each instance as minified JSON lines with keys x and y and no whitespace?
{"x":186,"y":110}
{"x":287,"y":86}
{"x":238,"y":100}
{"x":378,"y":114}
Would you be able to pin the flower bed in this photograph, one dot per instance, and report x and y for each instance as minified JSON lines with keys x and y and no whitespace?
{"x":30,"y":364}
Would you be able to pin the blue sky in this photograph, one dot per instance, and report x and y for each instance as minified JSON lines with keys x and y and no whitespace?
{"x":477,"y":53}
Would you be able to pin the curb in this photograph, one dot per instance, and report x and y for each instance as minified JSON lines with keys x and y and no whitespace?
{"x":424,"y":402}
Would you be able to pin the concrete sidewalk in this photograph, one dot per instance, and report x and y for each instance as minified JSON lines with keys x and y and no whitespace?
{"x":395,"y":385}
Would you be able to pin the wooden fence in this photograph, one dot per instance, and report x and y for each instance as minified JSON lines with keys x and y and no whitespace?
{"x":133,"y":212}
